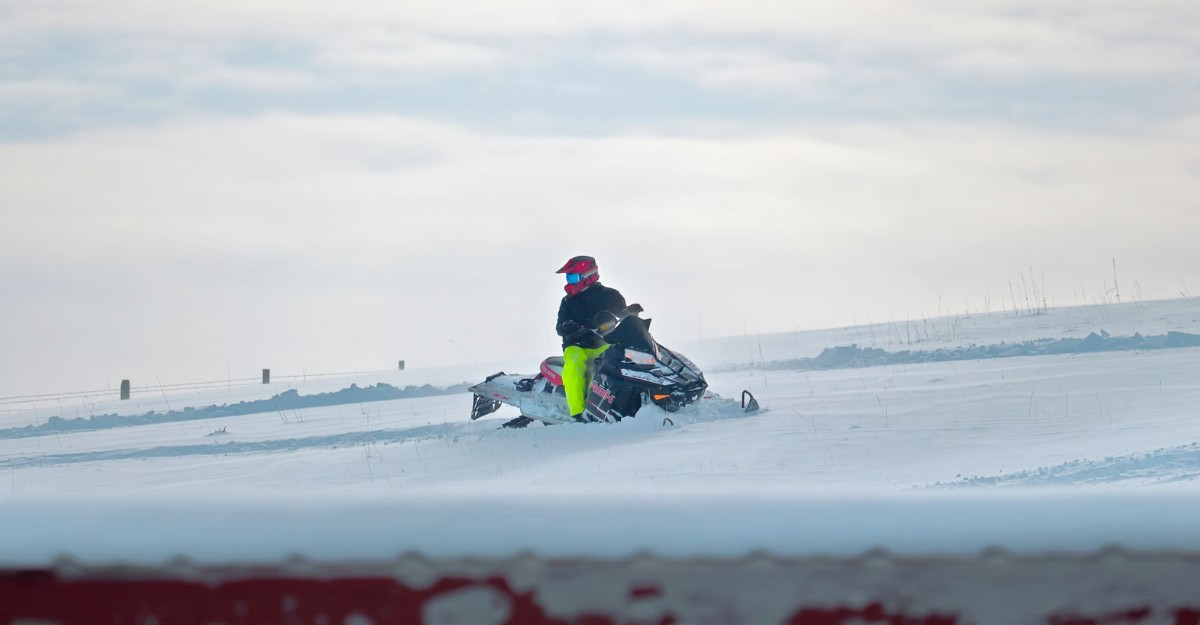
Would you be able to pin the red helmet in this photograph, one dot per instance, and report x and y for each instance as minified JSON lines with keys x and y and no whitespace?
{"x":582,"y":272}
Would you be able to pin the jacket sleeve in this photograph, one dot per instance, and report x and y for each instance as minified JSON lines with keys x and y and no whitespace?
{"x":616,"y":302}
{"x":565,"y":325}
{"x":563,"y":313}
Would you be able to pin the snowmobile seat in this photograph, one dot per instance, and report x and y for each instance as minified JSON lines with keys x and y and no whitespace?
{"x":552,"y":370}
{"x":552,"y":367}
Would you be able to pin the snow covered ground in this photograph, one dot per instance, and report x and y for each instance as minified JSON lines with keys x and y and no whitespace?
{"x":1028,"y":453}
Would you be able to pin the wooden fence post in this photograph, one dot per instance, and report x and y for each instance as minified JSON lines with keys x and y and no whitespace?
{"x":266,"y":376}
{"x":402,"y":365}
{"x":124,"y":389}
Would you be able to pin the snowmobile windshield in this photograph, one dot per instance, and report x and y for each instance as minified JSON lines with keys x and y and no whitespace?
{"x":634,"y":333}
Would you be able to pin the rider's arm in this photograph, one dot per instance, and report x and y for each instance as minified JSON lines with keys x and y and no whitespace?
{"x":566,"y":325}
{"x":616,"y":303}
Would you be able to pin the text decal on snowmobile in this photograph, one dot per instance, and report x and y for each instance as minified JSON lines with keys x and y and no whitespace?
{"x":603,"y":392}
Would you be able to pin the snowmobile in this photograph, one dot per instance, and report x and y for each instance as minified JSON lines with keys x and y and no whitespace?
{"x":633,"y":372}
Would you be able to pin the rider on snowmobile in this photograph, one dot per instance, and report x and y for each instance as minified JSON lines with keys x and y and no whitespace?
{"x":581,"y":345}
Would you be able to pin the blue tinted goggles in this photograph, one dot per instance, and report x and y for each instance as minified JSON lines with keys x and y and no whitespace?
{"x":574,"y":278}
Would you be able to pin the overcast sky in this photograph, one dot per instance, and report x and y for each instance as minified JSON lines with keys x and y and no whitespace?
{"x":199,"y":189}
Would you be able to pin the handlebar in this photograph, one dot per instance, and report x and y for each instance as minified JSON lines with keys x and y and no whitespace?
{"x":608,"y":325}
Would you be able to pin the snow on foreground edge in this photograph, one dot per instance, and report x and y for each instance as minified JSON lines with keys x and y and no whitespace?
{"x":36,"y":532}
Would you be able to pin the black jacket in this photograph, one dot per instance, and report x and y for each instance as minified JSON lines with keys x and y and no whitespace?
{"x":579,"y":310}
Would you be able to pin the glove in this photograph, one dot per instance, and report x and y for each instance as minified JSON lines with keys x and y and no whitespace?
{"x":567,"y":327}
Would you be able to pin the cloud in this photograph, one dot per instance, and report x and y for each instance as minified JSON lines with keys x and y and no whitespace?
{"x":726,"y":68}
{"x":249,"y":79}
{"x":374,"y":50}
{"x":387,"y":191}
{"x":43,"y":92}
{"x":296,"y":173}
{"x":1096,"y":38}
{"x":540,"y":64}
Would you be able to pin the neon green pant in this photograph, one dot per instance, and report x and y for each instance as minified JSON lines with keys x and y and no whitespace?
{"x":577,"y":375}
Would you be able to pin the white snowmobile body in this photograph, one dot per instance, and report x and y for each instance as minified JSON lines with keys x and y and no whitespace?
{"x":543,"y":398}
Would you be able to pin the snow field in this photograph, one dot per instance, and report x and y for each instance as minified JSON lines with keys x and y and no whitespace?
{"x":1047,"y":452}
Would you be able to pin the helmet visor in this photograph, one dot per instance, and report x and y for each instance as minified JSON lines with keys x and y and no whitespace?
{"x":574,"y":278}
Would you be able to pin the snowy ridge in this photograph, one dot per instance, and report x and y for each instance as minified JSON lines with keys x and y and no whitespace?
{"x":287,"y":400}
{"x":853,"y":356}
{"x":244,"y":447}
{"x":1161,"y":466}
{"x":956,"y":331}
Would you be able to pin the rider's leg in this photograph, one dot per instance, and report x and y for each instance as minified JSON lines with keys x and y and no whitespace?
{"x":593,"y":359}
{"x":574,"y":375}
{"x":577,"y":375}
